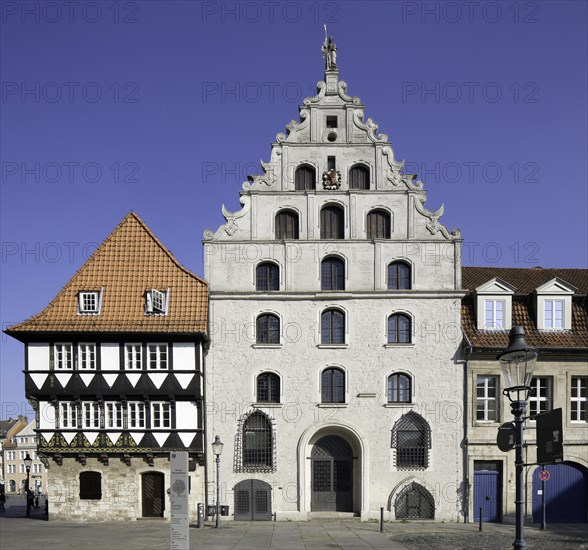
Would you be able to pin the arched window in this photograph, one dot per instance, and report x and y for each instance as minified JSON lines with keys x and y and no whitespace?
{"x":399,"y":276}
{"x":305,"y":178}
{"x":399,"y":330}
{"x":257,"y":442}
{"x":333,"y":386}
{"x":414,"y":502}
{"x":332,"y":222}
{"x":359,"y":177}
{"x":399,"y":388}
{"x":267,"y":276}
{"x":332,"y":274}
{"x":91,"y":485}
{"x":411,"y":437}
{"x":268,"y":329}
{"x":332,"y":327}
{"x":286,"y":225}
{"x":268,"y":388}
{"x":378,"y":225}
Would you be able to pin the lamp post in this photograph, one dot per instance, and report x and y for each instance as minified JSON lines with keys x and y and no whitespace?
{"x":518,"y":362}
{"x":217,"y":449}
{"x":28,"y":461}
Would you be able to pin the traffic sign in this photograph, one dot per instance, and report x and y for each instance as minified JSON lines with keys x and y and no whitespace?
{"x":506,"y":438}
{"x":544,"y":475}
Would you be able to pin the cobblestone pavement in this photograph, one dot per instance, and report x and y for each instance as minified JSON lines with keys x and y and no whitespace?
{"x":35,"y":533}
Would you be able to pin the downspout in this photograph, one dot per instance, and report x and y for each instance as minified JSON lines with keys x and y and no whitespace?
{"x":466,"y":469}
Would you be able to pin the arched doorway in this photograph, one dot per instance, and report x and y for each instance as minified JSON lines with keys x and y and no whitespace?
{"x":565,"y":493}
{"x":253,"y":500}
{"x":414,"y":502}
{"x":332,"y":475}
{"x":152,"y":494}
{"x":12,"y":486}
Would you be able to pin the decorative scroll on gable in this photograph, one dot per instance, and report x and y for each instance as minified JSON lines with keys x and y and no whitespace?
{"x":231,"y":227}
{"x":433,"y":224}
{"x":271,"y":172}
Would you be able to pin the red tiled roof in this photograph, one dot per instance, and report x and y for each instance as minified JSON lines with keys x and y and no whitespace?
{"x":128,"y":263}
{"x":523,"y":307}
{"x":525,"y":280}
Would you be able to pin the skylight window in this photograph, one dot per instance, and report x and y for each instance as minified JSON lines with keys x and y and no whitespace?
{"x":156,"y":302}
{"x":89,"y":302}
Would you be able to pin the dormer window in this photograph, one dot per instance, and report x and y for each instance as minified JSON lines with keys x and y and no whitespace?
{"x":494,"y":314}
{"x":494,"y":305}
{"x":156,"y":302}
{"x":89,"y":302}
{"x":553,"y":314}
{"x":554,"y":305}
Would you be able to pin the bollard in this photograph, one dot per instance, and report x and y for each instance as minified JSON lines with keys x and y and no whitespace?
{"x":381,"y":519}
{"x":200,"y":515}
{"x":480,"y":528}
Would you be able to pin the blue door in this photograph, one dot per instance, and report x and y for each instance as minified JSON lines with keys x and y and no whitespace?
{"x":565,"y":494}
{"x":487,"y":490}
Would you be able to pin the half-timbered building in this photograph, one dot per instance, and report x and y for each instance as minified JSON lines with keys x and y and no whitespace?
{"x":113,"y":368}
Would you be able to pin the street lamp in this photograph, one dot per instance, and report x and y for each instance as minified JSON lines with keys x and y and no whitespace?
{"x":518,"y":362}
{"x":217,"y":449}
{"x":28,"y":461}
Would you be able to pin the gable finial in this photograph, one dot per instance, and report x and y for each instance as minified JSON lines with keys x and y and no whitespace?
{"x":329,"y":50}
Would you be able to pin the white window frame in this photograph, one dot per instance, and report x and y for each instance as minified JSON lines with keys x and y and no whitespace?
{"x":68,"y":415}
{"x":87,"y":356}
{"x":90,"y":415}
{"x":494,"y":323}
{"x":554,"y":323}
{"x":23,"y":455}
{"x":89,"y":302}
{"x":113,"y":415}
{"x":159,"y":411}
{"x":486,"y":399}
{"x":133,"y":357}
{"x":136,"y":417}
{"x":578,"y":403}
{"x":539,"y":397}
{"x":156,"y":302}
{"x":160,"y":362}
{"x":23,"y":469}
{"x":63,"y":356}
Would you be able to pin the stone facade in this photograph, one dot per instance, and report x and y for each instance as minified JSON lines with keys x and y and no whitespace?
{"x":121,"y":490}
{"x":332,"y":134}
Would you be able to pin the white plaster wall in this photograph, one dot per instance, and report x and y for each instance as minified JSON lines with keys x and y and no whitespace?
{"x":186,"y":415}
{"x":184,"y":356}
{"x":38,"y":358}
{"x":109,"y":356}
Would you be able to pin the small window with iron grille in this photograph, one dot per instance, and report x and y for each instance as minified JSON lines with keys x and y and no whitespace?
{"x":411,"y":438}
{"x":256,"y":444}
{"x":414,"y":502}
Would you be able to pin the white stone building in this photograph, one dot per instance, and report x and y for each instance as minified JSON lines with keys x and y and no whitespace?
{"x":333,"y":379}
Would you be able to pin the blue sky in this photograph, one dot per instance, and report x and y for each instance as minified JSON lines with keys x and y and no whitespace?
{"x":164,"y":108}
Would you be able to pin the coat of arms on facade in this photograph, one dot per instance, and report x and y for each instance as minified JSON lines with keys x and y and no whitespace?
{"x":331,"y":179}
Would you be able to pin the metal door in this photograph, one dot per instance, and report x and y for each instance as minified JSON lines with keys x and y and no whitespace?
{"x":487,"y":491}
{"x":332,"y":475}
{"x":566,"y":492}
{"x":253,"y":500}
{"x":153,"y":495}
